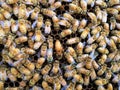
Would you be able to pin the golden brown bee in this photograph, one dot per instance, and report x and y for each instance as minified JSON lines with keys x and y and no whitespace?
{"x":69,"y":74}
{"x":100,"y":87}
{"x":65,"y":32}
{"x":102,"y":59}
{"x":50,"y":55}
{"x":106,"y":28}
{"x":29,"y":65}
{"x":48,"y":78}
{"x":50,"y":42}
{"x":64,"y":23}
{"x":48,"y":12}
{"x":83,"y":23}
{"x":102,"y":70}
{"x":56,"y":20}
{"x":75,"y":23}
{"x":92,"y":17}
{"x":55,"y":5}
{"x":69,"y":58}
{"x":37,"y":45}
{"x":14,"y":26}
{"x":83,"y":71}
{"x":59,"y":48}
{"x":24,"y":70}
{"x":3,"y":73}
{"x":47,"y":26}
{"x":11,"y":76}
{"x":62,"y":81}
{"x":108,"y":74}
{"x":9,"y":41}
{"x":46,"y":69}
{"x":90,"y":48}
{"x":21,"y":39}
{"x":2,"y":17}
{"x":29,"y":51}
{"x":114,"y":67}
{"x":112,"y":11}
{"x":6,"y":7}
{"x":5,"y":13}
{"x":30,"y":43}
{"x":86,"y":80}
{"x":93,"y":74}
{"x":46,"y":86}
{"x":109,"y":86}
{"x":73,"y":40}
{"x":15,"y":9}
{"x":79,"y":87}
{"x":113,"y":2}
{"x":103,"y":50}
{"x":11,"y":1}
{"x":72,"y":52}
{"x":34,"y":14}
{"x":40,"y":62}
{"x":101,"y":81}
{"x":35,"y":79}
{"x":38,"y":35}
{"x":85,"y":33}
{"x":112,"y":23}
{"x":95,"y":65}
{"x":68,"y":17}
{"x":1,"y":85}
{"x":88,"y":63}
{"x":117,"y":7}
{"x":43,"y":51}
{"x":102,"y":4}
{"x":74,"y":8}
{"x":2,"y":33}
{"x":39,"y":23}
{"x":56,"y":68}
{"x":104,"y":16}
{"x":96,"y":30}
{"x":78,"y":78}
{"x":83,"y":4}
{"x":57,"y":85}
{"x":79,"y":48}
{"x":98,"y":13}
{"x":15,"y":72}
{"x":71,"y":86}
{"x":116,"y":78}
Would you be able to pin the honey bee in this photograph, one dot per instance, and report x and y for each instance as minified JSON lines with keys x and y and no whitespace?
{"x":21,"y":39}
{"x":102,"y":4}
{"x":6,"y":7}
{"x":46,"y":69}
{"x":69,"y":58}
{"x":104,"y":16}
{"x":101,"y":81}
{"x":100,"y":87}
{"x":55,"y":5}
{"x":117,"y":7}
{"x":90,"y":48}
{"x":78,"y":78}
{"x":11,"y":76}
{"x":48,"y":12}
{"x":112,"y":23}
{"x":71,"y":86}
{"x":56,"y":20}
{"x":82,"y":25}
{"x":39,"y":23}
{"x":102,"y":70}
{"x":62,"y":81}
{"x":109,"y":86}
{"x":3,"y":73}
{"x":29,"y":65}
{"x":9,"y":41}
{"x":40,"y":62}
{"x":111,"y":56}
{"x":86,"y":80}
{"x":5,"y":13}
{"x":15,"y":9}
{"x":103,"y":59}
{"x":112,"y":11}
{"x":68,"y":17}
{"x":59,"y":48}
{"x":85,"y":33}
{"x":46,"y":86}
{"x":64,"y":23}
{"x":88,"y":63}
{"x":103,"y":50}
{"x":50,"y":55}
{"x":73,"y":40}
{"x":34,"y":14}
{"x":91,"y":2}
{"x":14,"y":26}
{"x":69,"y":74}
{"x":35,"y":79}
{"x":43,"y":50}
{"x":31,"y":43}
{"x":108,"y":74}
{"x":114,"y":67}
{"x":79,"y":48}
{"x":15,"y":72}
{"x":116,"y":78}
{"x":2,"y":33}
{"x":29,"y":51}
{"x":75,"y":25}
{"x":2,"y":17}
{"x":83,"y":4}
{"x":50,"y":42}
{"x":83,"y":71}
{"x":1,"y":85}
{"x":37,"y":45}
{"x":56,"y":68}
{"x":48,"y":78}
{"x":93,"y":74}
{"x":24,"y":70}
{"x":72,"y":52}
{"x":47,"y":26}
{"x":11,"y":1}
{"x":65,"y":33}
{"x":113,"y":2}
{"x":38,"y":35}
{"x":92,"y":17}
{"x":98,"y":13}
{"x":96,"y":30}
{"x":74,"y":8}
{"x":79,"y":87}
{"x":57,"y":85}
{"x":95,"y":65}
{"x":106,"y":28}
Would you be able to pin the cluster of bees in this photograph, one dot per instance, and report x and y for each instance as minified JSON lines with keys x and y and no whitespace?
{"x":60,"y":44}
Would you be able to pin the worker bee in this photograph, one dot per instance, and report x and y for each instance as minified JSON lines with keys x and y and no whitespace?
{"x":85,"y":33}
{"x":64,"y":23}
{"x":68,"y":17}
{"x":98,"y":13}
{"x":11,"y":76}
{"x":92,"y":17}
{"x":88,"y":63}
{"x":112,"y":11}
{"x":79,"y":87}
{"x":103,"y":50}
{"x":5,"y":13}
{"x":106,"y":28}
{"x":50,"y":55}
{"x":46,"y":86}
{"x":29,"y":51}
{"x":34,"y":14}
{"x":86,"y":80}
{"x":14,"y":26}
{"x":3,"y":73}
{"x":102,"y":4}
{"x":39,"y":23}
{"x":83,"y":5}
{"x":30,"y":43}
{"x":116,"y":78}
{"x":2,"y":17}
{"x":78,"y":78}
{"x":40,"y":62}
{"x":15,"y":9}
{"x":38,"y":36}
{"x":104,"y":16}
{"x":114,"y":67}
{"x":56,"y":20}
{"x":55,"y":5}
{"x":21,"y":39}
{"x":47,"y":26}
{"x":83,"y":71}
{"x":90,"y":48}
{"x":43,"y":50}
{"x":109,"y":86}
{"x":65,"y":33}
{"x":72,"y":52}
{"x":74,"y":8}
{"x":93,"y":74}
{"x":102,"y":70}
{"x":35,"y":79}
{"x":46,"y":69}
{"x":48,"y":78}
{"x":95,"y":65}
{"x":101,"y":81}
{"x":9,"y":41}
{"x":102,"y":59}
{"x":56,"y":68}
{"x":2,"y":33}
{"x":37,"y":45}
{"x":96,"y":30}
{"x":62,"y":81}
{"x":69,"y":74}
{"x":57,"y":85}
{"x":29,"y":65}
{"x":82,"y":25}
{"x":15,"y":72}
{"x":11,"y":1}
{"x":24,"y":70}
{"x":117,"y":7}
{"x":113,"y":2}
{"x":50,"y":42}
{"x":108,"y":74}
{"x":112,"y":23}
{"x":69,"y":58}
{"x":79,"y":48}
{"x":6,"y":7}
{"x":73,"y":40}
{"x":101,"y":87}
{"x":59,"y":49}
{"x":1,"y":85}
{"x":75,"y":23}
{"x":71,"y":86}
{"x":93,"y":38}
{"x":48,"y":12}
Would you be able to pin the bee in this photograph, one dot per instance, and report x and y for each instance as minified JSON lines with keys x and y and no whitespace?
{"x":102,"y":43}
{"x":69,"y":74}
{"x":11,"y":76}
{"x":27,"y":77}
{"x":71,"y":86}
{"x":34,"y":14}
{"x":116,"y":78}
{"x":2,"y":17}
{"x":95,"y":65}
{"x":74,"y":8}
{"x":14,"y":26}
{"x":93,"y":38}
{"x":102,"y":70}
{"x":73,"y":40}
{"x":113,"y":2}
{"x":79,"y":48}
{"x":106,"y":28}
{"x":114,"y":67}
{"x":39,"y":23}
{"x":22,"y":26}
{"x":103,"y":50}
{"x":56,"y":68}
{"x":35,"y":79}
{"x":5,"y":13}
{"x":38,"y":35}
{"x":117,"y":7}
{"x":93,"y":74}
{"x":65,"y":33}
{"x":11,"y":1}
{"x":88,"y":63}
{"x":31,"y":43}
{"x":56,"y":20}
{"x":6,"y":7}
{"x":111,"y":56}
{"x":21,"y":39}
{"x":108,"y":74}
{"x":78,"y":78}
{"x":36,"y":88}
{"x":56,"y":5}
{"x":86,"y":80}
{"x":9,"y":41}
{"x":102,"y":59}
{"x":72,"y":52}
{"x":64,"y":23}
{"x":48,"y":12}
{"x":82,"y":24}
{"x":37,"y":45}
{"x":83,"y":4}
{"x":50,"y":55}
{"x":98,"y":13}
{"x":48,"y":78}
{"x":15,"y":72}
{"x":109,"y":86}
{"x":12,"y":88}
{"x":89,"y":48}
{"x":62,"y":81}
{"x":104,"y":16}
{"x":101,"y":81}
{"x":112,"y":23}
{"x":40,"y":62}
{"x":96,"y":30}
{"x":1,"y":85}
{"x":92,"y":17}
{"x":2,"y":33}
{"x":75,"y":25}
{"x":29,"y":65}
{"x":57,"y":85}
{"x":83,"y":71}
{"x":102,"y":4}
{"x":59,"y":48}
{"x":29,"y":51}
{"x":43,"y":50}
{"x":50,"y":42}
{"x":46,"y":86}
{"x":47,"y":26}
{"x":24,"y":70}
{"x":68,"y":17}
{"x":69,"y":58}
{"x":85,"y":33}
{"x":15,"y":9}
{"x":46,"y":69}
{"x":91,"y":2}
{"x":100,"y":87}
{"x":112,"y":11}
{"x":79,"y":87}
{"x":3,"y":73}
